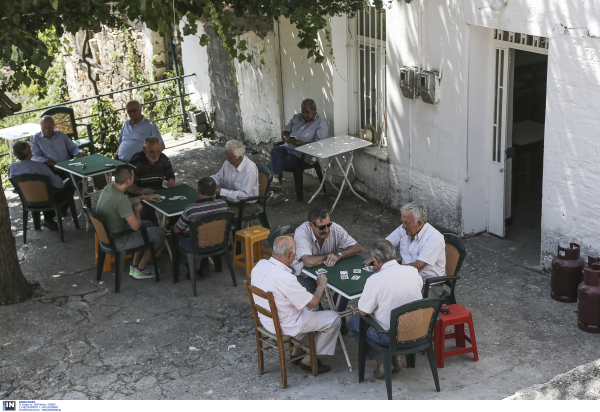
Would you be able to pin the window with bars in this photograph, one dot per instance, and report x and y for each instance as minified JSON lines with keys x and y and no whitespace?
{"x":520,"y":38}
{"x":370,"y":67}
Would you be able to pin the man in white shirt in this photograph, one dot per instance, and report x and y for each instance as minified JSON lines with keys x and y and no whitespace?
{"x":392,"y":285}
{"x":420,"y":245}
{"x":294,"y":303}
{"x":320,"y":240}
{"x":237,"y":179}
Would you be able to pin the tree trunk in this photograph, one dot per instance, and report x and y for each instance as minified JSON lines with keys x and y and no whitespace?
{"x":13,"y":285}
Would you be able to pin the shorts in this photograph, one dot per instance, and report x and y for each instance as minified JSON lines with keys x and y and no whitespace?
{"x":135,"y":240}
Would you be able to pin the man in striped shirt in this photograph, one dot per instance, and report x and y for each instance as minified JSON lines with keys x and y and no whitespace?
{"x":206,"y":205}
{"x":152,"y":167}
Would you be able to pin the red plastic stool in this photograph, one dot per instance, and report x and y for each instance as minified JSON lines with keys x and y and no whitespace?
{"x":457,"y":317}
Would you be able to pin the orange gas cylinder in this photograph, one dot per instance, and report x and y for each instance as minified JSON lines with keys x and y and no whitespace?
{"x":566,"y":274}
{"x":588,"y":308}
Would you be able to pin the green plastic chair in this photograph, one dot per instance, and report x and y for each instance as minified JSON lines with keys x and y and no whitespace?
{"x":265,"y":177}
{"x":418,"y":322}
{"x":282,"y":230}
{"x":107,"y":240}
{"x":209,"y":237}
{"x":64,"y":117}
{"x":38,"y":195}
{"x":455,"y":255}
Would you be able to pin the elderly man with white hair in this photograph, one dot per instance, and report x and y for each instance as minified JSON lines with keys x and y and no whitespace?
{"x":237,"y":179}
{"x":52,"y":146}
{"x":420,"y":245}
{"x":134,"y":132}
{"x":295,"y":305}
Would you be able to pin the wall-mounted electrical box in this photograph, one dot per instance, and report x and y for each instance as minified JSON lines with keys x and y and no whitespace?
{"x":408,"y":82}
{"x":427,"y":83}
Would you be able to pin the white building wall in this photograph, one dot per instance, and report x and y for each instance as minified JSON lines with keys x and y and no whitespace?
{"x":195,"y":60}
{"x":259,"y":90}
{"x":570,"y":210}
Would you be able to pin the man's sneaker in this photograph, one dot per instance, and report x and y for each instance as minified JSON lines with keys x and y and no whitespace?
{"x":142,"y":274}
{"x":276,"y":184}
{"x":150,"y":270}
{"x":131,"y":270}
{"x":274,"y":199}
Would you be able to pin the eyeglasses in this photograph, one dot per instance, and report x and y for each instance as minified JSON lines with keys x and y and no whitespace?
{"x":322,"y":227}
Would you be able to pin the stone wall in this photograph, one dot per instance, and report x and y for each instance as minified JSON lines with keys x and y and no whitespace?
{"x":106,"y":54}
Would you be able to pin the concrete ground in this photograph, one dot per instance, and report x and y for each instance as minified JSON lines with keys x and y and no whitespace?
{"x":80,"y":340}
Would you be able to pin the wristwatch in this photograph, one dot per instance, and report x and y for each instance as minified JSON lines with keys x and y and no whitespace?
{"x":340,"y":254}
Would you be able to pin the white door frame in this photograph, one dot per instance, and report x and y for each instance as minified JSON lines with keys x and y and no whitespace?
{"x":496,"y":206}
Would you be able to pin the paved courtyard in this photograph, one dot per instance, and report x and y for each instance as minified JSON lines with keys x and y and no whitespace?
{"x":80,"y":340}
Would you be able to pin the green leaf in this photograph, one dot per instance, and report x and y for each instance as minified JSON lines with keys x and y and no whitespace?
{"x":16,"y":19}
{"x":54,"y":4}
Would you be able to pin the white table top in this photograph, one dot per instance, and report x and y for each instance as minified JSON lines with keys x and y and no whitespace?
{"x":333,"y":146}
{"x":526,"y":132}
{"x":20,"y":131}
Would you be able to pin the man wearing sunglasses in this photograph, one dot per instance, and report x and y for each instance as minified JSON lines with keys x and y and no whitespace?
{"x":320,"y":240}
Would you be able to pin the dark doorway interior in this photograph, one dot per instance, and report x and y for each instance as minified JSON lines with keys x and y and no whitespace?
{"x":529,"y":109}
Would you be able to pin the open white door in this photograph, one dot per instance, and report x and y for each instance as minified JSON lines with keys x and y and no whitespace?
{"x":498,"y":146}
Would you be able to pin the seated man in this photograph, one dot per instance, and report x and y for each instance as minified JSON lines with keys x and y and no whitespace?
{"x":134,"y":132}
{"x":122,"y":213}
{"x":237,"y":179}
{"x":305,"y":127}
{"x":320,"y":240}
{"x":152,"y":167}
{"x":22,"y":151}
{"x":420,"y":245}
{"x":392,"y":285}
{"x":52,"y":146}
{"x":206,"y":205}
{"x":294,"y":303}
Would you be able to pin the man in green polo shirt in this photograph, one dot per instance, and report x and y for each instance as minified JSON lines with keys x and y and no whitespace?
{"x":122,"y":213}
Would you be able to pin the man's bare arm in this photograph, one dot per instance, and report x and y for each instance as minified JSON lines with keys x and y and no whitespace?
{"x":362,"y":313}
{"x":321,"y":285}
{"x":418,"y":264}
{"x":351,"y":251}
{"x":310,"y":261}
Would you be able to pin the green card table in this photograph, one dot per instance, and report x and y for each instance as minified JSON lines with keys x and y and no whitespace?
{"x":167,"y":208}
{"x":95,"y":165}
{"x":350,"y":289}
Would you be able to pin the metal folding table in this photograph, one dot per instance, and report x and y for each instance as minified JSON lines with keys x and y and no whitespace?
{"x":350,"y":289}
{"x":21,"y":131}
{"x":332,"y":148}
{"x":167,"y":208}
{"x":95,"y":165}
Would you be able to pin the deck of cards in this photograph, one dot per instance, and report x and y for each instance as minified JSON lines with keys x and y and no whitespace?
{"x":178,"y":198}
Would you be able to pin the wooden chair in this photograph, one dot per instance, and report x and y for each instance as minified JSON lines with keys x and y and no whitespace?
{"x":276,"y":340}
{"x":37,"y":195}
{"x":64,"y":119}
{"x":287,"y":229}
{"x":265,"y":177}
{"x":209,"y":237}
{"x":411,"y":330}
{"x":298,"y":173}
{"x":455,"y":255}
{"x":107,"y":240}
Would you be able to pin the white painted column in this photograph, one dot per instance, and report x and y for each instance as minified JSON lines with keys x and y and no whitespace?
{"x":339,"y":71}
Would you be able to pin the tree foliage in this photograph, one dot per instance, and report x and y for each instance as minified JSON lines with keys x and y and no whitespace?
{"x":24,"y":19}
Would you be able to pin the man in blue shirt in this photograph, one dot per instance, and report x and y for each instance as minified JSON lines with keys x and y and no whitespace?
{"x":305,"y":127}
{"x":134,"y":132}
{"x":22,"y":151}
{"x":52,"y":146}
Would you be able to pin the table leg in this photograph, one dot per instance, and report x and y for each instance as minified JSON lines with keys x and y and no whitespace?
{"x":322,"y":183}
{"x":81,"y":198}
{"x":346,"y":175}
{"x":331,"y":305}
{"x":162,"y":222}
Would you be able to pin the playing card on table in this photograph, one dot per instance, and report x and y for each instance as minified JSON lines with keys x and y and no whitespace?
{"x":344,"y":277}
{"x":368,"y":269}
{"x":174,"y":198}
{"x":356,"y":271}
{"x":343,"y":272}
{"x":162,"y":197}
{"x":355,"y":277}
{"x":182,"y":198}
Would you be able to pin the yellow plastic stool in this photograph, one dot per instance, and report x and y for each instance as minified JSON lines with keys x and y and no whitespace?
{"x":108,"y":259}
{"x":252,"y":242}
